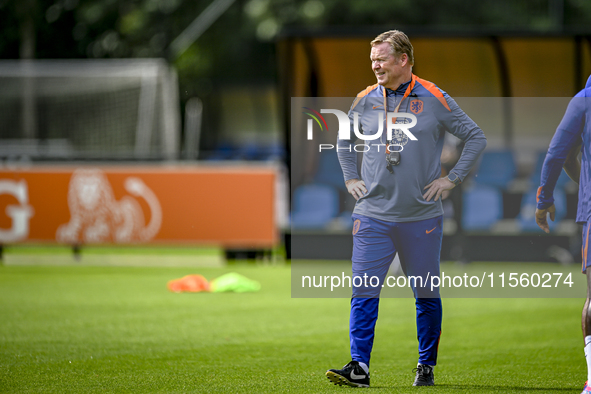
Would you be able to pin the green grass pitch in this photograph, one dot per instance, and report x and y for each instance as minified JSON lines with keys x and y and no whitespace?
{"x":110,"y":329}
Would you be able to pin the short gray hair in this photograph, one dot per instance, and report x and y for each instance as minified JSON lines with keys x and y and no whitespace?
{"x":399,"y":43}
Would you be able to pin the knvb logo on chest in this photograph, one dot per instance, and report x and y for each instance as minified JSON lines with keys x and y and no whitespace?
{"x":397,"y":123}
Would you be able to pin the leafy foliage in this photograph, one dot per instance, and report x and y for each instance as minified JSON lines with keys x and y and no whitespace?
{"x":238,"y":49}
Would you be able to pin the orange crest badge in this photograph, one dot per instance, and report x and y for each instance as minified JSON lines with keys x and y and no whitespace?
{"x":356,"y":225}
{"x":416,"y":106}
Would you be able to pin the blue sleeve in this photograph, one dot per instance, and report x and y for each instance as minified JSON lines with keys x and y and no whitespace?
{"x":567,"y":135}
{"x":459,"y":124}
{"x":345,"y":148}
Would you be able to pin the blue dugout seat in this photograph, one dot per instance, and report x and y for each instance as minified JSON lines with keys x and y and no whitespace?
{"x":314,"y":206}
{"x":482,"y":206}
{"x":329,"y":170}
{"x":497,"y":168}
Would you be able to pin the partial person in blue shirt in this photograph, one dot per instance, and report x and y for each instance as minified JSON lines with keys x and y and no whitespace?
{"x":398,"y":193}
{"x":572,"y":137}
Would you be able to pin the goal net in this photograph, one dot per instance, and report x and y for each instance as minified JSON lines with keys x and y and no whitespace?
{"x":110,"y":109}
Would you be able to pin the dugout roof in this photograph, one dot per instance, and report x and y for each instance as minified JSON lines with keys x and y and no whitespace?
{"x":483,"y":64}
{"x":336,"y":64}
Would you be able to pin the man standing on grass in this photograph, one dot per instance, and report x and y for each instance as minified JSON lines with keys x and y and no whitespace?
{"x":573,"y":132}
{"x":398,"y":209}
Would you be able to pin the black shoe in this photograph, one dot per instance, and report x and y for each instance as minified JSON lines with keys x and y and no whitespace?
{"x":424,"y":375}
{"x":351,"y":375}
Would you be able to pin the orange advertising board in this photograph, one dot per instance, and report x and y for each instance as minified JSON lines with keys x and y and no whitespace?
{"x":232,"y":206}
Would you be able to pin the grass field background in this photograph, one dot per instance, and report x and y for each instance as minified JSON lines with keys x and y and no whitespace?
{"x":77,"y":327}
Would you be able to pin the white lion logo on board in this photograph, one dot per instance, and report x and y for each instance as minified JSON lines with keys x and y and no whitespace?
{"x":97,"y":217}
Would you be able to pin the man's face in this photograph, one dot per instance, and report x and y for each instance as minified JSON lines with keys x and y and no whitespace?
{"x":386,"y":67}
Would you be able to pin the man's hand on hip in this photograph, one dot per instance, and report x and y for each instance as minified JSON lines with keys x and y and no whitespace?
{"x":541,"y":217}
{"x":356,"y":188}
{"x":435,"y":188}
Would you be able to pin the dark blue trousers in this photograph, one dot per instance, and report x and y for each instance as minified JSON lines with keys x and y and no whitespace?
{"x":375,"y":243}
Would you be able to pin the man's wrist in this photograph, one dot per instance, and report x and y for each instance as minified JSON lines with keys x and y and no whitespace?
{"x":543,"y":205}
{"x":454,"y":178}
{"x":544,"y":198}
